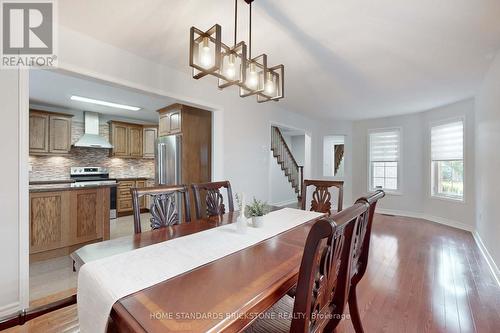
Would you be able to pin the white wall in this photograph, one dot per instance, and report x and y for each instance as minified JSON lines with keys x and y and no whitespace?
{"x":415,"y":169}
{"x":488,"y":163}
{"x":298,"y":148}
{"x":13,"y":235}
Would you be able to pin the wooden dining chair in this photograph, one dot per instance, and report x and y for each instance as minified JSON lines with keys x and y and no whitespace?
{"x":212,"y":198}
{"x":360,"y":254}
{"x":321,"y":197}
{"x":163,"y":209}
{"x":324,"y":279}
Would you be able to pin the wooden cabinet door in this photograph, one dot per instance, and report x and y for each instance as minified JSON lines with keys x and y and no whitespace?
{"x":119,"y":139}
{"x":142,"y":200}
{"x":135,"y":141}
{"x":175,"y":122}
{"x":123,"y":196}
{"x":39,"y":132}
{"x":49,"y":221}
{"x":87,"y":208}
{"x":60,"y":135}
{"x":149,"y":142}
{"x":164,"y":125}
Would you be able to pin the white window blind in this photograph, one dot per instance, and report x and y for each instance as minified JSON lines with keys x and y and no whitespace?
{"x":385,"y":146}
{"x":447,"y":142}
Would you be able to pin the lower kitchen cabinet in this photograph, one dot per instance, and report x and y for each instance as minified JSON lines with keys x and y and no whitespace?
{"x":124,"y":197}
{"x":62,"y":221}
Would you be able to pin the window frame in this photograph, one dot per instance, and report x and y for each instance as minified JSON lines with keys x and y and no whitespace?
{"x":431,"y":192}
{"x":399,"y":190}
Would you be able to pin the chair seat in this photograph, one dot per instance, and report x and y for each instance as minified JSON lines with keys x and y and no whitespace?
{"x":277,"y":319}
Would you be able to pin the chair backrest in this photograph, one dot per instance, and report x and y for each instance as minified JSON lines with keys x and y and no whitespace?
{"x":163,"y":209}
{"x":212,"y":198}
{"x":363,"y":235}
{"x":324,"y":280}
{"x":321,"y":197}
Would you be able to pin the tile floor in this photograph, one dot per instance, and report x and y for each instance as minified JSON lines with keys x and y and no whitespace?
{"x":52,"y":276}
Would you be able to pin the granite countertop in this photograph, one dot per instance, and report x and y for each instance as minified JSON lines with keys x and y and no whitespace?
{"x":55,"y":181}
{"x":50,"y":187}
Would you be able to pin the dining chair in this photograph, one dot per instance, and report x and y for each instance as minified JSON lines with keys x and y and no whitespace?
{"x":361,"y":252}
{"x":213,"y":200}
{"x":321,"y":197}
{"x":323,"y":282}
{"x":163,"y":209}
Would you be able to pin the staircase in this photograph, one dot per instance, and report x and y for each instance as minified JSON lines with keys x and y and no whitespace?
{"x":286,"y":161}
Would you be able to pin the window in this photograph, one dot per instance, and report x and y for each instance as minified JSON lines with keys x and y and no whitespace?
{"x":385,"y":160}
{"x":333,"y":154}
{"x":447,"y":160}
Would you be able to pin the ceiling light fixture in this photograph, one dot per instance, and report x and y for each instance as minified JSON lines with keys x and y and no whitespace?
{"x":104,"y":103}
{"x":232,"y":65}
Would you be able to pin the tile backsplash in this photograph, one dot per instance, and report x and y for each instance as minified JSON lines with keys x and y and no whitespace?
{"x":57,"y":167}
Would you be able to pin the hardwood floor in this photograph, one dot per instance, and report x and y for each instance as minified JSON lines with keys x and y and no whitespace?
{"x":422,"y":277}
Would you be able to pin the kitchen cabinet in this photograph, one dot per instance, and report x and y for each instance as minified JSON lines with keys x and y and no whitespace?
{"x":124,"y":197}
{"x":49,"y":133}
{"x":60,"y":134}
{"x":132,"y":140}
{"x":149,"y":141}
{"x":135,"y":141}
{"x":119,"y":139}
{"x":170,"y":120}
{"x":62,"y":221}
{"x":195,"y":126}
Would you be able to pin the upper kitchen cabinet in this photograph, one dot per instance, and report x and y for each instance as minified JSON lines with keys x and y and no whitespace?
{"x":118,"y":135}
{"x":171,"y":119}
{"x":49,"y":133}
{"x":135,"y":141}
{"x":149,"y":138}
{"x":132,"y":140}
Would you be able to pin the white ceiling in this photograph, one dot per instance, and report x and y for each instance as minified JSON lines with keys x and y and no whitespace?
{"x":55,"y":89}
{"x":347,"y":59}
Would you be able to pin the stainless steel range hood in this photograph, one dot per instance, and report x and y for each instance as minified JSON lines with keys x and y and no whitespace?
{"x":91,"y":138}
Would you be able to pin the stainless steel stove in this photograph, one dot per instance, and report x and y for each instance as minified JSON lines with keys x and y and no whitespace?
{"x":84,"y":176}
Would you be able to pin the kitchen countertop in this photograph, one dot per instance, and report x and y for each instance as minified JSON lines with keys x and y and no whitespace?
{"x":47,"y":182}
{"x":132,"y":178}
{"x":51,"y":187}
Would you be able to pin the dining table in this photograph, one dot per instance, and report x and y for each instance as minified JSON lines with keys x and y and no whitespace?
{"x":223,"y":295}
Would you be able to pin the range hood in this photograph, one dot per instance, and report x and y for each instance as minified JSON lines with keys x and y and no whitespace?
{"x":91,"y":138}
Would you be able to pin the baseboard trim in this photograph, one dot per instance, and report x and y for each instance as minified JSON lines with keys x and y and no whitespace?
{"x":9,"y":309}
{"x":454,"y":224}
{"x":435,"y":219}
{"x":487,"y":256}
{"x":285,"y":203}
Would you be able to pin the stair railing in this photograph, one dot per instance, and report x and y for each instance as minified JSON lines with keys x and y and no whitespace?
{"x":293,"y":171}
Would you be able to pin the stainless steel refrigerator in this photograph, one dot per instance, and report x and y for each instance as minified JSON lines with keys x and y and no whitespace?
{"x":168,"y":157}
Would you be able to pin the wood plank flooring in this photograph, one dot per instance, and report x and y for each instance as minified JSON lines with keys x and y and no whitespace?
{"x":422,"y":277}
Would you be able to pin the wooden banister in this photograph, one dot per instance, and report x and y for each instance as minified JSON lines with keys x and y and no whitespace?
{"x":293,"y":171}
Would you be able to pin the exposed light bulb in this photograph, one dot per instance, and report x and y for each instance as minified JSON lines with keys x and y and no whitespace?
{"x":253,"y":78}
{"x":205,"y":54}
{"x":270,"y":84}
{"x":231,"y":70}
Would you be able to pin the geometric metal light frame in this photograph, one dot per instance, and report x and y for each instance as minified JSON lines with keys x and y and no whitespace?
{"x":197,"y":38}
{"x":210,"y":41}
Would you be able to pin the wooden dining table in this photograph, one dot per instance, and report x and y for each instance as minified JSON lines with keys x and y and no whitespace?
{"x":225,"y":295}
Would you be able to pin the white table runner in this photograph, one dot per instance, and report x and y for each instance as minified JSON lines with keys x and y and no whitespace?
{"x":103,"y":282}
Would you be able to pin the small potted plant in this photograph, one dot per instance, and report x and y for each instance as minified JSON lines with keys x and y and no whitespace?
{"x":256,"y":210}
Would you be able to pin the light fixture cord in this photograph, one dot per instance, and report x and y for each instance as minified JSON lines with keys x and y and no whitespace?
{"x":250,"y":35}
{"x":235,"y":19}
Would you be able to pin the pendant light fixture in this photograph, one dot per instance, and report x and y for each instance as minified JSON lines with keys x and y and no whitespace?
{"x":233,"y":65}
